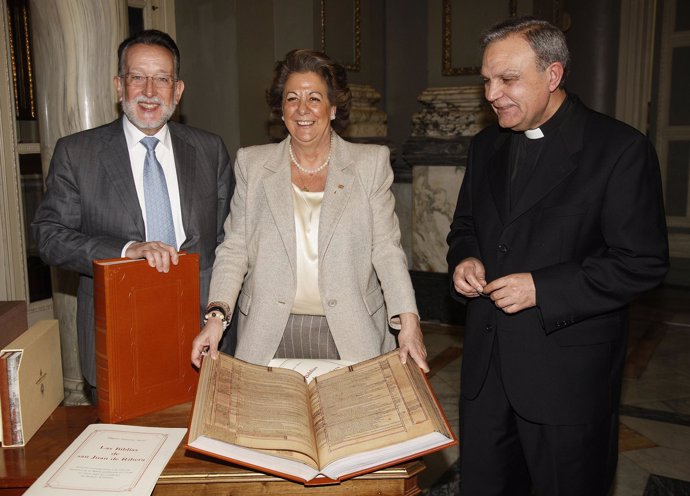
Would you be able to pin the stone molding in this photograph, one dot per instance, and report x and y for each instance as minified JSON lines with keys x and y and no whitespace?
{"x":451,"y":111}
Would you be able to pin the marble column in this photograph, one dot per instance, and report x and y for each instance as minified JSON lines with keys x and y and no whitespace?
{"x":75,"y":58}
{"x":437,"y":154}
{"x":437,"y":150}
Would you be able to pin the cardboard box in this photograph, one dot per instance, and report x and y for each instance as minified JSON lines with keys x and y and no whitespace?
{"x":31,"y":384}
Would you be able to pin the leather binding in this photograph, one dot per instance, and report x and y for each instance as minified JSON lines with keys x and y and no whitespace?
{"x":145,"y":324}
{"x":208,"y":380}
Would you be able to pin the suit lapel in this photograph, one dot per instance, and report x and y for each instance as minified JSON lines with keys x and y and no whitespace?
{"x":557,"y":161}
{"x":280,"y":200}
{"x":115,"y":162}
{"x":554,"y":166}
{"x":185,"y":160}
{"x":336,"y":193}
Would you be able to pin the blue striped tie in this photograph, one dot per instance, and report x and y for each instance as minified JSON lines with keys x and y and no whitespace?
{"x":159,"y":221}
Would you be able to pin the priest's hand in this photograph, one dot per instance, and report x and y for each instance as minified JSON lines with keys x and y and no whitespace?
{"x":513,"y":292}
{"x":469,"y":277}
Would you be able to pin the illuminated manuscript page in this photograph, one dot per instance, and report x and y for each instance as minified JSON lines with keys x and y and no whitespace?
{"x":385,"y":404}
{"x":267,"y":411}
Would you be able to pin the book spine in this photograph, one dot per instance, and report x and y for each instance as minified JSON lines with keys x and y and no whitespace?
{"x":5,"y":402}
{"x":17,"y":434}
{"x":101,"y":324}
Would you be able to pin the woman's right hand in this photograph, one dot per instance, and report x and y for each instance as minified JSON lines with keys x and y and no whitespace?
{"x":206,"y":343}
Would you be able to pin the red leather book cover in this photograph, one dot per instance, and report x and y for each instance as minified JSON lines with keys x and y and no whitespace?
{"x":145,"y":324}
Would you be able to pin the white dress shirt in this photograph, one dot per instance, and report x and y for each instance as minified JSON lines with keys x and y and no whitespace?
{"x":166,"y":157}
{"x":307,"y":205}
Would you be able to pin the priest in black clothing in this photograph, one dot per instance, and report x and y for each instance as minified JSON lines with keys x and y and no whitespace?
{"x":559,"y":225}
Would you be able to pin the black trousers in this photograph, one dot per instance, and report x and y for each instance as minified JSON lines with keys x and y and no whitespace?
{"x":502,"y":453}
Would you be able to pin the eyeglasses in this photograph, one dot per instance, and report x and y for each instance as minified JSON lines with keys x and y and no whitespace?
{"x":139,"y":80}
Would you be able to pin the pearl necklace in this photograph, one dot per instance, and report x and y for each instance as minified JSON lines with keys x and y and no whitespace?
{"x":311,"y":172}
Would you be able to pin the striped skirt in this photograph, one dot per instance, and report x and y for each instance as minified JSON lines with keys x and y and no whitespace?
{"x":307,"y":336}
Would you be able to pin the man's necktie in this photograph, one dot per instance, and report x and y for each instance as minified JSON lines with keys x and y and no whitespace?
{"x":159,"y":221}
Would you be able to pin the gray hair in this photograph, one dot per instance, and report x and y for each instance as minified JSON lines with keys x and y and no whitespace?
{"x":547,"y":41}
{"x":151,"y":37}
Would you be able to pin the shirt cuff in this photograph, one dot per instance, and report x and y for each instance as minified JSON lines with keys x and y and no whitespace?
{"x":124,"y":250}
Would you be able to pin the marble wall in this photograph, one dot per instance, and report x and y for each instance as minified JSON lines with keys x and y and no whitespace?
{"x":437,"y":151}
{"x":435,"y":192}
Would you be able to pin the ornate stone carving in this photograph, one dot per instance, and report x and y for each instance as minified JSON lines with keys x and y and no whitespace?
{"x":437,"y":152}
{"x":366,"y":121}
{"x":450,"y":112}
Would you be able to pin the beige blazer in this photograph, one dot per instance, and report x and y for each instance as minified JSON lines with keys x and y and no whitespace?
{"x":364,"y":282}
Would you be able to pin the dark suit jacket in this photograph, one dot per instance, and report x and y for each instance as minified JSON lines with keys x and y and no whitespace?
{"x":590,"y":227}
{"x":91,"y":210}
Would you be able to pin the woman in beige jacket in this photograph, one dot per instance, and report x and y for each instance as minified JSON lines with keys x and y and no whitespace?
{"x":312,"y":253}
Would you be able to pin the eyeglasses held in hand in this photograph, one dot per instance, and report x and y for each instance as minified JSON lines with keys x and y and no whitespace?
{"x":160,"y":81}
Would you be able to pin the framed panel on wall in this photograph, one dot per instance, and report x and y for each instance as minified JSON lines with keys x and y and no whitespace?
{"x":341,"y":34}
{"x":20,"y":55}
{"x":463,"y":23}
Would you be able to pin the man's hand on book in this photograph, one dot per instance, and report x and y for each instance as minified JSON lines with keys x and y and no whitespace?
{"x":411,"y":341}
{"x":206,"y":343}
{"x":157,"y":254}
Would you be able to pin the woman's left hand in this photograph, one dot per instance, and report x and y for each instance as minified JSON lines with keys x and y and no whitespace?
{"x":411,"y":341}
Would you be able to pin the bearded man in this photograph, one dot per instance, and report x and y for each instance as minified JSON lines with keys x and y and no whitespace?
{"x":139,"y":187}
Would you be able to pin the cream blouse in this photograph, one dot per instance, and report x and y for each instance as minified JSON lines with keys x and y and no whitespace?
{"x":307,"y":205}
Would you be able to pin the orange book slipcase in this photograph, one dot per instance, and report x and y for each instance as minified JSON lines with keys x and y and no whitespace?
{"x":145,"y":324}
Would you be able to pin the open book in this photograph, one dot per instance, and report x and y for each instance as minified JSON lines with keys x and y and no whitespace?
{"x":347,"y":422}
{"x":309,"y":367}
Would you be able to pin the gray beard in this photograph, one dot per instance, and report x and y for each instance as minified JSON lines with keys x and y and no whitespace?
{"x":128,"y":107}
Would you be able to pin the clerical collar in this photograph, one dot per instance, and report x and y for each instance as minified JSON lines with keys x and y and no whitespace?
{"x":552,"y":124}
{"x":534,"y":133}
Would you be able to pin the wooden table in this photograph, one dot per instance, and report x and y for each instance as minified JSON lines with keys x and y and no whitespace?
{"x":187,"y":473}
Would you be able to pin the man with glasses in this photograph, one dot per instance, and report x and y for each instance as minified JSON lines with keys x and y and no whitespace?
{"x":139,"y":187}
